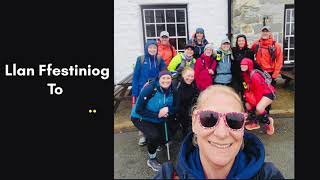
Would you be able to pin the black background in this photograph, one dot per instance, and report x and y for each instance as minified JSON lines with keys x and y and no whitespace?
{"x":47,"y":135}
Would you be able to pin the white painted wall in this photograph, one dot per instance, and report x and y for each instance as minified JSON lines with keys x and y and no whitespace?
{"x":212,"y":15}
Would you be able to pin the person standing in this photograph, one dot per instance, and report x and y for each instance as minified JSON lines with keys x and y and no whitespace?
{"x":268,"y":53}
{"x":205,"y":67}
{"x":165,"y":49}
{"x":224,"y":59}
{"x":239,"y":52}
{"x":187,"y":93}
{"x":147,"y":68}
{"x":199,"y":41}
{"x":182,"y":60}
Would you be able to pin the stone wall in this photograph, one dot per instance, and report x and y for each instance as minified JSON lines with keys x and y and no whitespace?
{"x":247,"y":18}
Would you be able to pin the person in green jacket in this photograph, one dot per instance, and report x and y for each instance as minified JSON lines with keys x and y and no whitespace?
{"x":182,"y":60}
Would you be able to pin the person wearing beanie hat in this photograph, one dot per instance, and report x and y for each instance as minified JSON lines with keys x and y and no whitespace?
{"x":155,"y":105}
{"x":200,"y":30}
{"x":199,"y":41}
{"x":147,"y":67}
{"x":224,"y":60}
{"x":165,"y":49}
{"x":210,"y":46}
{"x":164,"y":72}
{"x":182,"y":60}
{"x":205,"y":67}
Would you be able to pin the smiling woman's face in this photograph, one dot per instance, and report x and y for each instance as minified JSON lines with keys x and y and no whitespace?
{"x":219,"y":145}
{"x":165,"y":81}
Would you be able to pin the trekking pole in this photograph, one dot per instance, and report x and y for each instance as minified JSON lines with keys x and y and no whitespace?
{"x":167,"y":142}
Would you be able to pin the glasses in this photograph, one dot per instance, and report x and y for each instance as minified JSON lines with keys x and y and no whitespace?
{"x":210,"y":119}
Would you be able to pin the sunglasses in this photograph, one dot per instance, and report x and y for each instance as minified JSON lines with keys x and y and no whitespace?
{"x":210,"y":119}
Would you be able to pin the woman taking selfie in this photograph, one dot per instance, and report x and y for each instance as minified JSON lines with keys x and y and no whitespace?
{"x":218,"y":147}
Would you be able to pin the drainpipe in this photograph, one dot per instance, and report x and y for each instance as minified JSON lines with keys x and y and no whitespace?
{"x":229,"y":34}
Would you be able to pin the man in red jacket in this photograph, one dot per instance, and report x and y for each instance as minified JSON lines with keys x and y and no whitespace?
{"x":268,"y":53}
{"x":165,"y":49}
{"x":258,"y":95}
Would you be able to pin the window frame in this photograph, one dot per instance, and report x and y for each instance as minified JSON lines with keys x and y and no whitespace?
{"x":288,"y":60}
{"x":166,"y":7}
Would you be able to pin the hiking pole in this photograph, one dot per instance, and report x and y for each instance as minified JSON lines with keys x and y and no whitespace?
{"x":167,"y":144}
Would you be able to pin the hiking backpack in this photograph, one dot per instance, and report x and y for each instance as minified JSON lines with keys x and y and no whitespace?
{"x":266,"y":76}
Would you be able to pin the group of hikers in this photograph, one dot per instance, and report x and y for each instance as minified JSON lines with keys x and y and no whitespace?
{"x":195,"y":90}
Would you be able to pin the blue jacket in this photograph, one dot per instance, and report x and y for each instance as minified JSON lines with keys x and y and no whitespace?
{"x":223,"y":69}
{"x":147,"y":106}
{"x":249,"y":163}
{"x":146,"y":71}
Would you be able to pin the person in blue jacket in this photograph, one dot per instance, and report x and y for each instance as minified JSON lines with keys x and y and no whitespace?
{"x":155,"y":106}
{"x":218,"y":147}
{"x":147,"y":68}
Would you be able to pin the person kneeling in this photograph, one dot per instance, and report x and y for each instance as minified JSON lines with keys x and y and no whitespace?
{"x":155,"y":106}
{"x":258,"y":95}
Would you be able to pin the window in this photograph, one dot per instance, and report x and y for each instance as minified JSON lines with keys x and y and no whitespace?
{"x":171,"y":18}
{"x":288,"y":42}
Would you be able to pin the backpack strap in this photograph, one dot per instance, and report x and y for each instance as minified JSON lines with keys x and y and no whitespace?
{"x":159,"y":59}
{"x":179,"y":83}
{"x":171,"y":48}
{"x":272,"y":51}
{"x":257,"y":47}
{"x":154,"y":89}
{"x":141,"y":59}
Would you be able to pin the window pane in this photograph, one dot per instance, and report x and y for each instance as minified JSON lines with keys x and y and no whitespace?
{"x":285,"y":55}
{"x":150,"y":30}
{"x":180,"y":16}
{"x":159,"y":16}
{"x":170,"y":16}
{"x":181,"y":29}
{"x":160,"y":27}
{"x":181,"y":43}
{"x":291,"y":54}
{"x":171,"y":28}
{"x":291,"y":42}
{"x":288,"y":15}
{"x":292,"y":28}
{"x":285,"y":43}
{"x":292,"y":16}
{"x":173,"y":42}
{"x":151,"y":39}
{"x":149,"y":16}
{"x":287,"y":29}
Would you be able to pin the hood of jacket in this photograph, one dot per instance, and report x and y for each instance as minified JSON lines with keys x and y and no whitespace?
{"x":146,"y":53}
{"x":247,"y":61}
{"x":246,"y":165}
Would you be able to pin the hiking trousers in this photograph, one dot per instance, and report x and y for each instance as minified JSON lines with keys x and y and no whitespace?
{"x":155,"y":132}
